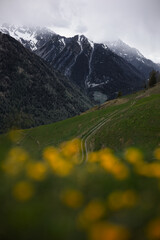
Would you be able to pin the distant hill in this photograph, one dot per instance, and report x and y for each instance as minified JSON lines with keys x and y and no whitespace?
{"x":133,"y":56}
{"x":31,"y":93}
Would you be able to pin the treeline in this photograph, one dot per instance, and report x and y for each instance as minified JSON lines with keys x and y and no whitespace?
{"x":154,"y":78}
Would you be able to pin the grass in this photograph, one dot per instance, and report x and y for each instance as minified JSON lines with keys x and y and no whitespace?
{"x":135,"y":124}
{"x":138,"y":126}
{"x":49,"y":196}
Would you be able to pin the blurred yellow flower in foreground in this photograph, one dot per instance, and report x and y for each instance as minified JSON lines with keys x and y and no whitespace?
{"x":93,"y":157}
{"x":60,"y":166}
{"x":15,"y":161}
{"x":122,"y":199}
{"x":15,"y":135}
{"x":134,"y":156}
{"x":72,"y":198}
{"x":18,"y":154}
{"x":108,"y":231}
{"x":36,"y":170}
{"x":113,"y":165}
{"x":157,"y":153}
{"x":70,"y":148}
{"x":149,"y":170}
{"x":23,"y":191}
{"x":91,"y":213}
{"x":51,"y":154}
{"x":153,"y":230}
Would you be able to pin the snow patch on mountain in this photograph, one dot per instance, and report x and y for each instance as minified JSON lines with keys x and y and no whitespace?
{"x":91,"y":43}
{"x":63,"y":41}
{"x":79,"y":42}
{"x":90,"y":62}
{"x":27,"y":36}
{"x":92,"y":85}
{"x":133,"y":56}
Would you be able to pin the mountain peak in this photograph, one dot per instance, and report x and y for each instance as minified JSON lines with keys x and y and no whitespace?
{"x":133,"y":56}
{"x":30,"y":37}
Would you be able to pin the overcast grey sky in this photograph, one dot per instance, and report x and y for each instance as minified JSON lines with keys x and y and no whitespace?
{"x":137,"y":22}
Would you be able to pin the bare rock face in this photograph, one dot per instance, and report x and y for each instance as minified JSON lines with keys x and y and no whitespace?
{"x":93,"y":67}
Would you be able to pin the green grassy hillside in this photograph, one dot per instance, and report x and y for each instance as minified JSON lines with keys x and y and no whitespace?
{"x":46,"y":193}
{"x":129,"y":121}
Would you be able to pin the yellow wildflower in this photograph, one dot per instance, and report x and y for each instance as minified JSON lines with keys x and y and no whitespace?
{"x":157,"y":153}
{"x":93,"y":157}
{"x":149,"y":170}
{"x":122,"y":199}
{"x":72,"y":198}
{"x":36,"y":171}
{"x":51,"y":154}
{"x":70,"y":148}
{"x":153,"y":230}
{"x":134,"y":156}
{"x":108,"y":231}
{"x":92,"y":212}
{"x":15,"y":161}
{"x":60,"y":166}
{"x":113,"y":165}
{"x":15,"y":135}
{"x":23,"y":191}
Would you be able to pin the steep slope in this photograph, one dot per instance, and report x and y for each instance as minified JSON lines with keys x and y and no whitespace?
{"x":31,"y":37}
{"x":133,"y":56}
{"x":94,"y":67}
{"x":31,"y":93}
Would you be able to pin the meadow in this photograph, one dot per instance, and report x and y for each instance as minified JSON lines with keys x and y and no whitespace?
{"x":47,"y":191}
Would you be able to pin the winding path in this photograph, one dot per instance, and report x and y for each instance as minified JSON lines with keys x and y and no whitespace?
{"x":95,"y":128}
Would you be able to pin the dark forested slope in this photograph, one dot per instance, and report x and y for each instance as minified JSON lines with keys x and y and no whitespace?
{"x":30,"y":92}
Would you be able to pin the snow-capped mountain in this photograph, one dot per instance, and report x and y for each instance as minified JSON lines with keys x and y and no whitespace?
{"x":94,"y":67}
{"x":30,"y":37}
{"x":133,"y":56}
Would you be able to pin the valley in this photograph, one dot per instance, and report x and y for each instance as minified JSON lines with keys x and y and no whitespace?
{"x":79,"y":138}
{"x":127,"y":121}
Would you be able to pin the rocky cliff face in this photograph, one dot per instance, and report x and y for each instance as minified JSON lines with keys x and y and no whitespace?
{"x":94,"y":67}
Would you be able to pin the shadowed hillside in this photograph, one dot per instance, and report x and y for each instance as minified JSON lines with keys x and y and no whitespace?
{"x":31,"y":93}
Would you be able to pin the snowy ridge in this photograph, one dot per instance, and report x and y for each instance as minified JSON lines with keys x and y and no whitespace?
{"x":133,"y":56}
{"x":69,"y":69}
{"x":27,"y":36}
{"x":105,"y":46}
{"x":79,"y":42}
{"x":63,"y":41}
{"x":90,"y":61}
{"x":91,"y":43}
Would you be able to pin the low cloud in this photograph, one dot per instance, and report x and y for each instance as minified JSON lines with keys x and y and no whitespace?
{"x":136,"y":22}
